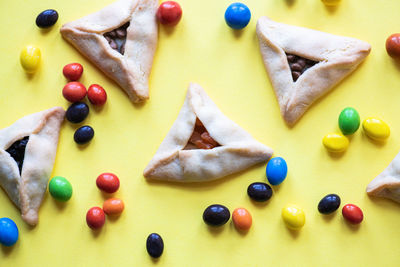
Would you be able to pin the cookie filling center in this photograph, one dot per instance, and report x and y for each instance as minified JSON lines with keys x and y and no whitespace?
{"x":17,"y":151}
{"x":117,"y":38}
{"x":298,"y":65}
{"x":200,"y":138}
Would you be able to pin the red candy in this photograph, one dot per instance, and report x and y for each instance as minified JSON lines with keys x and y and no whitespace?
{"x":352,"y":214}
{"x":74,"y":91}
{"x":107,"y":182}
{"x":95,"y":218}
{"x":73,"y":71}
{"x":97,"y":95}
{"x":169,"y":13}
{"x":393,"y":45}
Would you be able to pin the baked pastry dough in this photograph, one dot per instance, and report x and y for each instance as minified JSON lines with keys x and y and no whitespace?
{"x":325,"y":60}
{"x":387,"y":183}
{"x":27,"y":152}
{"x":235,"y":149}
{"x":130,"y":64}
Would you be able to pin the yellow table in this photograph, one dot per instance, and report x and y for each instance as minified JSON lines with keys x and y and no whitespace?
{"x":228,"y":65}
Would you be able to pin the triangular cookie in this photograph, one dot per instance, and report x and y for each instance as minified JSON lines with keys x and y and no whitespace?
{"x":27,"y":152}
{"x":304,"y":64}
{"x":387,"y":183}
{"x":130,"y":27}
{"x":179,"y":157}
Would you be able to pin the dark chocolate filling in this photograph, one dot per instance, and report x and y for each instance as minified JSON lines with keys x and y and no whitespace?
{"x":298,"y":65}
{"x":117,"y":38}
{"x":17,"y":151}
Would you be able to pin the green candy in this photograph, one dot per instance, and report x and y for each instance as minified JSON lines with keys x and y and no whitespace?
{"x":60,"y":188}
{"x":349,"y":121}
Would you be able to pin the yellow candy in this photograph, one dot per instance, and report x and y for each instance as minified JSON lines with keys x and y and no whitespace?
{"x":30,"y":58}
{"x":330,"y":2}
{"x":376,"y":129}
{"x":335,"y":143}
{"x":293,"y":217}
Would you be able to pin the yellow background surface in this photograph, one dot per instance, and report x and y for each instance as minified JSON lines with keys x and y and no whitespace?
{"x":203,"y":49}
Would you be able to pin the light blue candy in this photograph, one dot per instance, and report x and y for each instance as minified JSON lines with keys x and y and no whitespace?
{"x":276,"y":170}
{"x":8,"y":232}
{"x":237,"y":16}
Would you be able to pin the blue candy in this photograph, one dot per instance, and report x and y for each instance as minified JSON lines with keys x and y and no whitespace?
{"x":237,"y":16}
{"x":276,"y":170}
{"x":8,"y":232}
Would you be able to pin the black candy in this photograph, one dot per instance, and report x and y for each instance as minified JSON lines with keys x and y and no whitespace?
{"x":154,"y":245}
{"x":259,"y":191}
{"x":77,"y":112}
{"x":216,"y":215}
{"x":329,"y":204}
{"x":84,"y":134}
{"x":17,"y":151}
{"x":47,"y":18}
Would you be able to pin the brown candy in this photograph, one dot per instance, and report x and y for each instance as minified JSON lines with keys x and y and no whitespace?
{"x":299,"y":65}
{"x":117,"y":34}
{"x":121,"y":32}
{"x":113,"y":44}
{"x":122,"y":49}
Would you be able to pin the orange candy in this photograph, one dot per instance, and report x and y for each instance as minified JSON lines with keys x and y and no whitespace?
{"x":242,"y":219}
{"x":113,"y":206}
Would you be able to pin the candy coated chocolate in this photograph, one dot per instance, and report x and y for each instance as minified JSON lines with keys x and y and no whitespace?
{"x":216,"y":215}
{"x":237,"y":16}
{"x":259,"y":192}
{"x":60,"y":188}
{"x":329,"y":204}
{"x":8,"y":232}
{"x":352,"y":214}
{"x":349,"y":121}
{"x":393,"y":45}
{"x":276,"y":170}
{"x":155,"y":245}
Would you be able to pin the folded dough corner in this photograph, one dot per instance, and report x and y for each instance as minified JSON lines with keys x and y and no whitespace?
{"x":27,"y":153}
{"x":387,"y":183}
{"x":178,"y":160}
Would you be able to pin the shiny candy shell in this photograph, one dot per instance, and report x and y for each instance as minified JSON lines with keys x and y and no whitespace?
{"x":293,"y":217}
{"x":155,"y":245}
{"x":95,"y":218}
{"x":237,"y":16}
{"x":349,"y":121}
{"x":8,"y":232}
{"x":276,"y":170}
{"x":376,"y":129}
{"x":259,"y":192}
{"x":60,"y":188}
{"x":30,"y":58}
{"x":329,"y":204}
{"x":352,"y":214}
{"x":393,"y":45}
{"x":335,"y":143}
{"x":113,"y":206}
{"x":47,"y":18}
{"x":107,"y":182}
{"x":216,"y":215}
{"x":242,"y":219}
